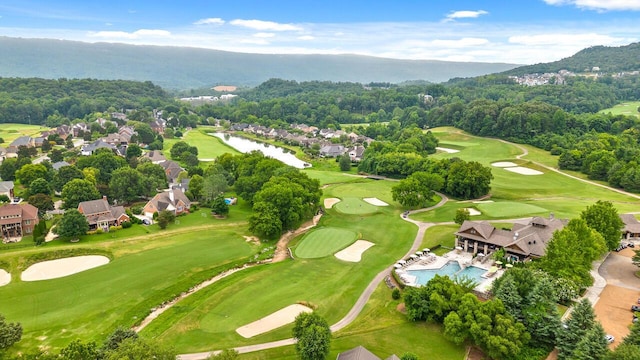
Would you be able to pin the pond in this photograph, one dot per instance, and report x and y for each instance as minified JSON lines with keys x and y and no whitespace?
{"x":244,"y":146}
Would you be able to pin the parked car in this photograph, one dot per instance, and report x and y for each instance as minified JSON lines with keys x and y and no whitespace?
{"x":635,"y":320}
{"x":621,"y":247}
{"x":632,"y":245}
{"x":16,"y":200}
{"x":635,"y":307}
{"x":610,"y":338}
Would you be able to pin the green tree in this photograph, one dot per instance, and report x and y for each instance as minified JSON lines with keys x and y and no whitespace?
{"x":56,"y":155}
{"x":40,"y":186}
{"x":418,"y":189}
{"x":581,"y":321}
{"x":10,"y":333}
{"x":511,"y":299}
{"x":126,"y":184}
{"x":64,"y":175}
{"x":265,"y":221}
{"x":72,"y":225}
{"x":46,"y":146}
{"x":195,"y":186}
{"x":604,"y":218}
{"x":78,"y":350}
{"x":153,"y":178}
{"x":8,"y":169}
{"x":140,"y":349}
{"x":165,"y":217}
{"x":468,"y":180}
{"x":212,"y":186}
{"x":219,"y":206}
{"x":634,"y":335}
{"x":409,"y":356}
{"x":625,"y":352}
{"x":593,"y":346}
{"x":119,"y":335}
{"x":133,"y":151}
{"x":313,"y":336}
{"x":462,"y":214}
{"x":77,"y":191}
{"x":345,"y":163}
{"x":30,"y":172}
{"x":43,"y":202}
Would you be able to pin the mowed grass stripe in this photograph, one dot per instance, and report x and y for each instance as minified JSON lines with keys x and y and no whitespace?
{"x":324,"y":242}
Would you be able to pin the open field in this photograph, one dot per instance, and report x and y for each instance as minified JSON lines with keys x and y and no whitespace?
{"x":326,"y":241}
{"x":10,"y":132}
{"x":143,"y":273}
{"x":209,"y":147}
{"x":627,"y":108}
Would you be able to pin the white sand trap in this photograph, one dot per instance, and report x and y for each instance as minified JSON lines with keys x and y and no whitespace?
{"x":503,"y":164}
{"x":353,"y":253}
{"x":58,"y":268}
{"x":483,"y":202}
{"x":5,"y":277}
{"x":523,"y":170}
{"x":447,"y":150}
{"x":473,"y":212}
{"x":279,"y":318}
{"x":329,"y":202}
{"x":375,"y":202}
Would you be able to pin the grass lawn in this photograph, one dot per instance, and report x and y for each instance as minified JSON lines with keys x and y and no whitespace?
{"x":627,"y":108}
{"x":209,"y":147}
{"x":143,"y":274}
{"x":440,"y":235}
{"x":324,"y":241}
{"x":10,"y":132}
{"x":509,"y":209}
{"x":352,"y":205}
{"x":330,"y":177}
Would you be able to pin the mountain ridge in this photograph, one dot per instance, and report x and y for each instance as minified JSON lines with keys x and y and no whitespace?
{"x":183,"y":68}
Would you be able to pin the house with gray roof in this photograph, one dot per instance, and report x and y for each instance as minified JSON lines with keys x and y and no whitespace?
{"x":172,"y":200}
{"x":172,"y":170}
{"x":154,"y":156}
{"x":333,"y":150}
{"x":6,"y":188}
{"x":361,"y":353}
{"x":523,"y":241}
{"x":631,"y":228}
{"x":89,"y":149}
{"x":57,"y":165}
{"x":101,"y":215}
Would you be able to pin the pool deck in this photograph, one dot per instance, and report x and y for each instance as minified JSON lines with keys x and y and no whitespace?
{"x":433,"y":262}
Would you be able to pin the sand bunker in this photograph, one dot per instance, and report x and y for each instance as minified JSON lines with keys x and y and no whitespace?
{"x":5,"y":277}
{"x":53,"y":269}
{"x":503,"y":164}
{"x":279,"y":318}
{"x":353,"y":253}
{"x":447,"y":150}
{"x":329,"y":202}
{"x":375,"y":202}
{"x":523,"y":170}
{"x":473,"y":212}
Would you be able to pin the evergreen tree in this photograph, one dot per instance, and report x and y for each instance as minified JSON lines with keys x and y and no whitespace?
{"x":593,"y":346}
{"x":581,"y":321}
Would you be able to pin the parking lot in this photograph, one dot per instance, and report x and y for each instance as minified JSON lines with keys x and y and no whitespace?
{"x":613,"y":308}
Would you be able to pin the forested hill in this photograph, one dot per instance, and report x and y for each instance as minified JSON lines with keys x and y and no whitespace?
{"x":187,"y":68}
{"x":608,"y":59}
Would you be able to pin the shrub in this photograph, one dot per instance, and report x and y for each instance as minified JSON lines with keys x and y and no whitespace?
{"x":137,"y":209}
{"x":126,"y":224}
{"x":395,"y":294}
{"x":99,"y":231}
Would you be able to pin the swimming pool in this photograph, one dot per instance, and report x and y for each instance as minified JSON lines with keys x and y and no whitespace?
{"x":451,"y":269}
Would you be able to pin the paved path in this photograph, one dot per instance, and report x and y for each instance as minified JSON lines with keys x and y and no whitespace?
{"x":357,"y":307}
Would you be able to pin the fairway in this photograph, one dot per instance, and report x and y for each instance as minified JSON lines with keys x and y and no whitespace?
{"x":507,"y":209}
{"x":355,"y":206}
{"x":627,"y":108}
{"x":10,"y":132}
{"x":209,"y":147}
{"x":323,"y":242}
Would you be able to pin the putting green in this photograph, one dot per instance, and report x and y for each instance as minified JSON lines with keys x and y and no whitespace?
{"x":509,"y":209}
{"x":353,"y":205}
{"x":324,"y":242}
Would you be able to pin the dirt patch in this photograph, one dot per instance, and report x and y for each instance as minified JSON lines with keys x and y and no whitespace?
{"x":474,"y":353}
{"x":278,"y":319}
{"x":58,"y":268}
{"x":282,"y":252}
{"x":401,"y":308}
{"x":5,"y":277}
{"x":613,"y":310}
{"x":329,"y":202}
{"x":252,"y":239}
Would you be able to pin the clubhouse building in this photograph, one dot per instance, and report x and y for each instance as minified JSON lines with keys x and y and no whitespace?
{"x":522,"y":242}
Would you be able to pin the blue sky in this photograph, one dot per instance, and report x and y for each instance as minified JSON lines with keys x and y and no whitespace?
{"x":514,"y":31}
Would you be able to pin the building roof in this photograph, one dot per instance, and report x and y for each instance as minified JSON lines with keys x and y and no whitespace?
{"x":631,"y":224}
{"x":393,"y":357}
{"x":6,"y":186}
{"x":163,"y":200}
{"x":357,"y":353}
{"x":97,"y":145}
{"x":94,"y":206}
{"x":21,"y":141}
{"x":57,"y":165}
{"x":14,"y":212}
{"x":154,"y":156}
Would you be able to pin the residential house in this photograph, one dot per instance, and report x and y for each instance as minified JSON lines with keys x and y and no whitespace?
{"x":523,"y":241}
{"x":182,"y":186}
{"x":101,"y":215}
{"x":89,"y":149}
{"x":117,"y":139}
{"x":361,"y":353}
{"x":6,"y":188}
{"x":158,"y":126}
{"x":119,"y":116}
{"x":356,"y":152}
{"x":154,"y":156}
{"x":172,"y":169}
{"x":27,"y":141}
{"x":17,"y":220}
{"x":3,"y":153}
{"x":38,"y":141}
{"x":631,"y":229}
{"x":57,"y":165}
{"x":80,"y":129}
{"x":171,"y":200}
{"x":332,"y":150}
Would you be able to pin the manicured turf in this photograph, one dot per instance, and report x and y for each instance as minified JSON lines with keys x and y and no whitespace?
{"x":330,"y":177}
{"x":324,"y":241}
{"x":627,"y":108}
{"x":10,"y":132}
{"x":508,"y":209}
{"x":209,"y":147}
{"x":352,"y":205}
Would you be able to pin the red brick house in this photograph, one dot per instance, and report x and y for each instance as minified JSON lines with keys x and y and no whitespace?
{"x":101,"y":215}
{"x":17,"y":220}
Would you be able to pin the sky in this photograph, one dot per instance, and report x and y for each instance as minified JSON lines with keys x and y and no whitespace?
{"x":509,"y":31}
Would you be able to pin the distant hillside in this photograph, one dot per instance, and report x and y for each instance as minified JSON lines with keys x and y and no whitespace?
{"x":187,"y":68}
{"x":608,"y":59}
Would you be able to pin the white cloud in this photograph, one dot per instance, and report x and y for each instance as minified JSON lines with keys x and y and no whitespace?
{"x":259,"y":41}
{"x":465,"y":14}
{"x":305,"y":37}
{"x":459,"y":43}
{"x":264,"y":35}
{"x":600,"y":5}
{"x":115,"y":35}
{"x":560,"y":39}
{"x":209,"y":21}
{"x":265,"y":25}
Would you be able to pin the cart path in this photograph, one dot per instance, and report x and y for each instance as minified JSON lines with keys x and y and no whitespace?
{"x":355,"y":309}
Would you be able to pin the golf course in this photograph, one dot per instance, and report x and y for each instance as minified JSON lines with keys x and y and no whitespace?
{"x":149,"y":266}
